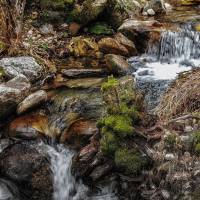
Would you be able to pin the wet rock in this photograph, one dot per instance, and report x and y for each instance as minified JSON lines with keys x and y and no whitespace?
{"x":165,"y":194}
{"x":190,"y":2}
{"x":117,"y":65}
{"x":158,"y":6}
{"x":29,"y":169}
{"x":8,"y":191}
{"x":83,"y":73}
{"x":32,"y":101}
{"x":112,"y":46}
{"x":101,"y":171}
{"x":84,"y":83}
{"x":79,"y":128}
{"x":28,"y":127}
{"x":4,"y":143}
{"x":12,"y":93}
{"x":138,"y":31}
{"x":16,"y":66}
{"x":123,"y":40}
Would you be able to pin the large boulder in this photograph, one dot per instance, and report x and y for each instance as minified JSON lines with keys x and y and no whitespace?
{"x":88,"y":11}
{"x":16,"y":66}
{"x":12,"y":93}
{"x":29,"y":169}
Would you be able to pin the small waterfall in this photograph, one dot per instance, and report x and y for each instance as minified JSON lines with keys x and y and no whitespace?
{"x":66,"y":187}
{"x":177,"y":52}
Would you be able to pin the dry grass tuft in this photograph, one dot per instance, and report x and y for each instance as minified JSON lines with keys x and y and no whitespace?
{"x":182,"y":97}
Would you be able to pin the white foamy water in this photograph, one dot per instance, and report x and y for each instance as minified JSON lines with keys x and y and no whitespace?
{"x":66,"y":187}
{"x":154,"y":71}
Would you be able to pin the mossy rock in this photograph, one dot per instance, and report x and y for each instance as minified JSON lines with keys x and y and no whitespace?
{"x":101,"y":29}
{"x":2,"y":46}
{"x":109,"y":143}
{"x":110,"y":83}
{"x":119,"y":124}
{"x":88,"y":11}
{"x":129,"y":161}
{"x":56,"y":4}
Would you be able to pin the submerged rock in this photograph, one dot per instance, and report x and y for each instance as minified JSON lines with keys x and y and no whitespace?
{"x":32,"y":101}
{"x":16,"y":66}
{"x":12,"y":93}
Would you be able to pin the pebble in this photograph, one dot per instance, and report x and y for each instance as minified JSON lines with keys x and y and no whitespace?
{"x":169,"y":156}
{"x":188,"y":129}
{"x":165,"y":194}
{"x":151,"y":12}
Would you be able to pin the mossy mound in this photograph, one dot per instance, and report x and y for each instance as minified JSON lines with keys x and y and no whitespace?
{"x":56,"y":4}
{"x":129,"y":161}
{"x":117,"y":126}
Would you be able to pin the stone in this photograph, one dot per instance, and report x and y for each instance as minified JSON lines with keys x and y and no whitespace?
{"x":165,"y":194}
{"x":112,"y":46}
{"x":151,"y":12}
{"x":101,"y":171}
{"x":123,"y":40}
{"x":117,"y":65}
{"x":29,"y":169}
{"x":12,"y":93}
{"x":88,"y":11}
{"x":46,"y":29}
{"x":83,"y":73}
{"x":139,"y":31}
{"x":8,"y":191}
{"x":74,"y":28}
{"x":188,"y":129}
{"x":29,"y":127}
{"x":158,"y":6}
{"x":27,"y":66}
{"x":32,"y":101}
{"x":169,"y":156}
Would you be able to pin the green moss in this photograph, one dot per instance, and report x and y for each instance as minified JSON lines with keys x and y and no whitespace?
{"x":109,"y":143}
{"x":197,"y":148}
{"x":196,"y":137}
{"x":44,"y":46}
{"x":129,"y":161}
{"x":170,"y":140}
{"x":112,"y":82}
{"x":100,"y":29}
{"x":56,"y":4}
{"x":129,"y":111}
{"x":119,"y":124}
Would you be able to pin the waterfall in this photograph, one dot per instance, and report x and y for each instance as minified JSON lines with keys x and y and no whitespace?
{"x":66,"y":187}
{"x":177,"y":52}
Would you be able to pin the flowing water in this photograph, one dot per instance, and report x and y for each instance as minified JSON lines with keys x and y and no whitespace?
{"x":66,"y":187}
{"x":177,"y":52}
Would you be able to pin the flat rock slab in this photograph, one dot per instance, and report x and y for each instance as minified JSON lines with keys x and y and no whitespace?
{"x":16,"y":66}
{"x":83,"y":73}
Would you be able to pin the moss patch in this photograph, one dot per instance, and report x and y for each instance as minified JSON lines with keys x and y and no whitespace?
{"x":101,"y":29}
{"x":129,"y":160}
{"x":117,"y":126}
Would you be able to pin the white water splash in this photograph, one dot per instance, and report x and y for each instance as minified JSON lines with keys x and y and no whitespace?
{"x":66,"y":187}
{"x":154,"y":71}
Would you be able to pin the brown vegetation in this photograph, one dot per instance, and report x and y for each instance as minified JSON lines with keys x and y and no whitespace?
{"x":182,"y":97}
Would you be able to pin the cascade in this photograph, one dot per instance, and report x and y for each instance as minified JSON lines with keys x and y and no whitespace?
{"x":155,"y":70}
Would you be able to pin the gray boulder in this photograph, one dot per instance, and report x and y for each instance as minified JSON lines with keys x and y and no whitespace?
{"x":16,"y":66}
{"x":12,"y":93}
{"x":158,"y":6}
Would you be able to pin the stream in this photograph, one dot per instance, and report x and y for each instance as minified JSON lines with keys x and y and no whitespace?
{"x":66,"y":187}
{"x":155,"y":70}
